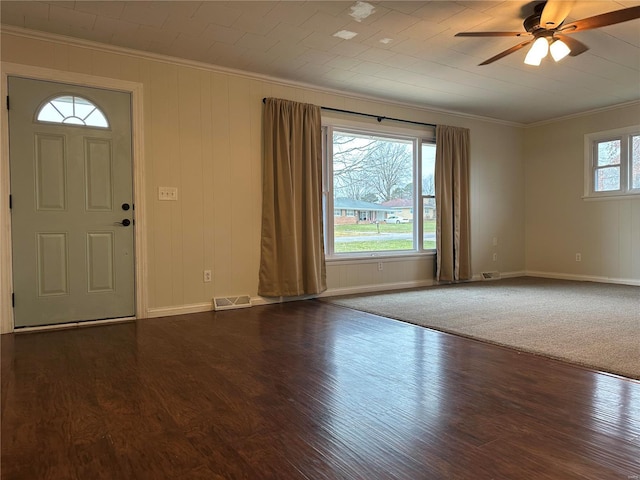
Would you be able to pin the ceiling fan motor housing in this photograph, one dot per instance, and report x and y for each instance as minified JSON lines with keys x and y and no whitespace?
{"x":532,"y":23}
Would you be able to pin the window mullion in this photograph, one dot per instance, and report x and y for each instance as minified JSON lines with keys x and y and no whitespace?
{"x":328,"y":190}
{"x":625,"y":164}
{"x":418,"y":223}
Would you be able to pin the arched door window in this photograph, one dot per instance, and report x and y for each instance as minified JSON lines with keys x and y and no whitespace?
{"x":72,"y":110}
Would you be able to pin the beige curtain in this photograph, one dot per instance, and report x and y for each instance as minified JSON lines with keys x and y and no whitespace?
{"x":453,"y":250}
{"x":292,"y":252}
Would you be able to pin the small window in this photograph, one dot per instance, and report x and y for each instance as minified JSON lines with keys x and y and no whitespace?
{"x":72,"y":110}
{"x":607,"y":166}
{"x":612,"y":163}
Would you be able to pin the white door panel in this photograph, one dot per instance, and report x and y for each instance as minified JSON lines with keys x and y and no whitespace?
{"x":98,"y":167}
{"x":73,"y":259}
{"x":50,"y":172}
{"x":52,"y":271}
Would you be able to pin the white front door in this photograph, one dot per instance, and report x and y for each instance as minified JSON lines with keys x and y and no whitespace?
{"x":72,"y":219}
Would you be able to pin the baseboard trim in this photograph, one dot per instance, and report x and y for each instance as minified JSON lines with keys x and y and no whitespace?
{"x":334,"y":292}
{"x":179,"y":310}
{"x":208,"y":306}
{"x":258,"y":301}
{"x":583,"y":278}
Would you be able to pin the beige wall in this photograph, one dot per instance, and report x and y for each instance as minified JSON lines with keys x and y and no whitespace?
{"x":560,"y":223}
{"x":202,"y":134}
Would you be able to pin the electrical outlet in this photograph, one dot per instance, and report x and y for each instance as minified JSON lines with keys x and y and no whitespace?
{"x":380,"y":265}
{"x":578,"y":257}
{"x":495,"y":257}
{"x":206,"y":277}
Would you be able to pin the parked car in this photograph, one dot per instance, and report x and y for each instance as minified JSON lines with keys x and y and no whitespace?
{"x":396,"y":219}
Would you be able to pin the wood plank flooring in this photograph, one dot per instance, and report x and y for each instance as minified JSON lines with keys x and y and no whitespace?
{"x":303,"y":390}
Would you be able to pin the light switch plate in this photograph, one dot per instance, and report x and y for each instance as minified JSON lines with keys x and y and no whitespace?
{"x":168,"y":193}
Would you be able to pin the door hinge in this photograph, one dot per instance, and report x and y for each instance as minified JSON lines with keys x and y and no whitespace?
{"x":10,"y":201}
{"x":7,"y":102}
{"x":13,"y":300}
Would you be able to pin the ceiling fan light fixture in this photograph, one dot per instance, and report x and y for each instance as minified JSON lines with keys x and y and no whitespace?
{"x":547,"y":20}
{"x":534,"y":61}
{"x":559,"y":50}
{"x":537,"y":52}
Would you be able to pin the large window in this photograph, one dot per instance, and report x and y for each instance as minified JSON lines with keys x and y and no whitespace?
{"x":379,"y":193}
{"x":612,"y":163}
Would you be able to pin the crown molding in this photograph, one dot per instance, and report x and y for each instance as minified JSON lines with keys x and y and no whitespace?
{"x":632,"y":103}
{"x":76,"y":42}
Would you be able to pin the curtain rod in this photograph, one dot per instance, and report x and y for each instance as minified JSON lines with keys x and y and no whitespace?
{"x":380,"y":118}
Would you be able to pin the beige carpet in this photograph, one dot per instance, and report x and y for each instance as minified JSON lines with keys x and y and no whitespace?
{"x":591,"y":324}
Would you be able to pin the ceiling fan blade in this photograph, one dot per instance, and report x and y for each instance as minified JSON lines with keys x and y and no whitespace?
{"x":597,"y":21}
{"x":574,"y":45}
{"x":507,"y":52}
{"x":491,"y":34}
{"x":555,"y":12}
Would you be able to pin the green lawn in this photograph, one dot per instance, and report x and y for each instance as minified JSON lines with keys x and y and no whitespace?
{"x":379,"y":246}
{"x":372,"y":228}
{"x":377,"y":242}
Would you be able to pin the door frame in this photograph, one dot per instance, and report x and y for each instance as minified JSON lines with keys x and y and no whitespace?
{"x":140,"y":264}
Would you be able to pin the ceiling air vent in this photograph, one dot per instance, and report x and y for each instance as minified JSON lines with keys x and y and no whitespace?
{"x":228,"y":303}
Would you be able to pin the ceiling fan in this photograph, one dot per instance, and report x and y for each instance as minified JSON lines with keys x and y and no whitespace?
{"x":547,"y":31}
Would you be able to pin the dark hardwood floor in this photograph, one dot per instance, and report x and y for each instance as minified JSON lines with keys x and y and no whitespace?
{"x":303,"y":390}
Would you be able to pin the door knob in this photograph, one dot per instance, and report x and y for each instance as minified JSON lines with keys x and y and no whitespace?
{"x":126,"y":206}
{"x":125,"y":223}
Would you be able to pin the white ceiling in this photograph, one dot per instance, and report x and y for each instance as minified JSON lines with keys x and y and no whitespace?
{"x":422,"y":64}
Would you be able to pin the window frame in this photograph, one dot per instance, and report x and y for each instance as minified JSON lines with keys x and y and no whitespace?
{"x":417,"y":137}
{"x":591,"y":142}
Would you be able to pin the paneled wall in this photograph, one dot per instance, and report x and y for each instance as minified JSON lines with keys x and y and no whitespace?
{"x":202,"y":134}
{"x":560,"y":223}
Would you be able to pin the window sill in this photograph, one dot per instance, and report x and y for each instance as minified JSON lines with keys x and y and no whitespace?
{"x":378,"y":257}
{"x":622,"y":196}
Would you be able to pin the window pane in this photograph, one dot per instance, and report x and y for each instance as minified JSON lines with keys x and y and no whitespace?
{"x":428,"y":223}
{"x":373,"y":185}
{"x":607,"y":179}
{"x":74,"y":111}
{"x":82,"y":107}
{"x":635,"y":162}
{"x":428,"y":168}
{"x":96,"y":119}
{"x":50,"y":114}
{"x":428,"y":192}
{"x":64,"y":105}
{"x":609,"y":153}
